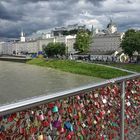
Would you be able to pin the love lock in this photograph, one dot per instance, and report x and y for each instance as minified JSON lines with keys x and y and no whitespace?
{"x":56,"y":124}
{"x":41,"y":116}
{"x":81,"y":105}
{"x":108,"y":111}
{"x":96,"y":95}
{"x":128,"y":103}
{"x":21,"y":129}
{"x":55,"y":109}
{"x":78,"y":97}
{"x":83,"y":125}
{"x":95,"y":122}
{"x":40,"y":137}
{"x":68,"y":126}
{"x":31,"y":117}
{"x":49,"y":137}
{"x":104,"y":101}
{"x":2,"y":128}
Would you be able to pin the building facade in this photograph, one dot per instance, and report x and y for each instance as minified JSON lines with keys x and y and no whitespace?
{"x":106,"y":41}
{"x":35,"y":46}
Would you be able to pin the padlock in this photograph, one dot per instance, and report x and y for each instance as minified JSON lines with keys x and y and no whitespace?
{"x":45,"y":123}
{"x":33,"y":130}
{"x":32,"y":117}
{"x":83,"y":111}
{"x":104,"y":101}
{"x":21,"y":129}
{"x":58,"y":104}
{"x":69,"y":109}
{"x":40,"y":137}
{"x":83,"y":125}
{"x":79,"y":114}
{"x":80,"y":136}
{"x":49,"y":112}
{"x":41,"y":116}
{"x":2,"y":128}
{"x":95,"y":122}
{"x":10,"y":119}
{"x":55,"y":109}
{"x":32,"y":112}
{"x":51,"y":127}
{"x":108,"y":111}
{"x":33,"y":137}
{"x":81,"y":105}
{"x":61,"y":130}
{"x":91,"y":96}
{"x":49,"y":137}
{"x":128,"y":103}
{"x":56,"y":124}
{"x":68,"y":137}
{"x":78,"y":97}
{"x":68,"y":126}
{"x":50,"y":105}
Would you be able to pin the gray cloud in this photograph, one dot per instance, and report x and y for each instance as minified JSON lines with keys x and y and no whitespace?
{"x":33,"y":15}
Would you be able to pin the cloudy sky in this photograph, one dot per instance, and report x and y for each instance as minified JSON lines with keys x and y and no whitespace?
{"x":34,"y":15}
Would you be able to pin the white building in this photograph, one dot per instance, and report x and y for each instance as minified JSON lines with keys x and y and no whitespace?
{"x":69,"y":41}
{"x":35,"y":46}
{"x":106,"y":41}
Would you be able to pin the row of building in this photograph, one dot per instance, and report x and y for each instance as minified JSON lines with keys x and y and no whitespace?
{"x":105,"y":41}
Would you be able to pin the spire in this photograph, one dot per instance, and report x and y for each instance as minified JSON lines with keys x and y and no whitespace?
{"x":22,"y":34}
{"x":92,"y":30}
{"x":22,"y":37}
{"x":111,"y":20}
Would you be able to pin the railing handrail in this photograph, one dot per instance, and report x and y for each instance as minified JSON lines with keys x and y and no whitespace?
{"x":35,"y":101}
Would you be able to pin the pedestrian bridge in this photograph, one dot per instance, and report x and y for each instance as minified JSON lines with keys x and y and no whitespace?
{"x":105,"y":111}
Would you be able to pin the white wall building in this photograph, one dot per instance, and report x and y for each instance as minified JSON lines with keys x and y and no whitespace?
{"x":106,"y":41}
{"x":69,"y":41}
{"x":35,"y":46}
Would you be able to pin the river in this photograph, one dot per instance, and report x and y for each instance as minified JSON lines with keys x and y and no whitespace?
{"x":20,"y":81}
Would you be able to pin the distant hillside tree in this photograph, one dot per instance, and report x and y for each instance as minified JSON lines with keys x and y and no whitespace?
{"x":54,"y":49}
{"x":83,"y":41}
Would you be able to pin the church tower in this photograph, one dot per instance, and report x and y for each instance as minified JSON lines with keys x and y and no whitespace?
{"x":22,"y":37}
{"x":112,"y":27}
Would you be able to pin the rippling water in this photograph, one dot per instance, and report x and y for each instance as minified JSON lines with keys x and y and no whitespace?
{"x":19,"y":81}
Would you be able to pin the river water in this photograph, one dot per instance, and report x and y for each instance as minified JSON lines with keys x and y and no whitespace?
{"x":20,"y":81}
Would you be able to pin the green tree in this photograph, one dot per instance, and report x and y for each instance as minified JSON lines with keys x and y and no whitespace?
{"x":54,"y":49}
{"x":83,"y":41}
{"x":131,"y":42}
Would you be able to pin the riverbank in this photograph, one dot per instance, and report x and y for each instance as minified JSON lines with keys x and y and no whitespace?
{"x":132,"y":67}
{"x":80,"y":68}
{"x":19,"y":81}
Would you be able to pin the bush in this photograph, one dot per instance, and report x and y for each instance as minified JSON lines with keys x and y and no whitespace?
{"x":54,"y":49}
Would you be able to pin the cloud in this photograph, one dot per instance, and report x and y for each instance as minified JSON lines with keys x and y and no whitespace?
{"x":33,"y":15}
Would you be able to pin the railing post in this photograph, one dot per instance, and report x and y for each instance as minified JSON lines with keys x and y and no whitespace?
{"x":122,"y":110}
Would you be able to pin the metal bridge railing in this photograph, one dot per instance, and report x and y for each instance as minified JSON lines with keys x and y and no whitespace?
{"x":106,"y":111}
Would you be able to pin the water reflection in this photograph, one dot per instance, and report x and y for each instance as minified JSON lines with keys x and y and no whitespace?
{"x":18,"y":81}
